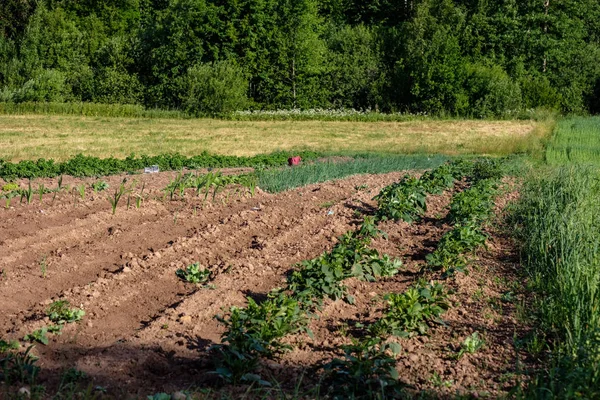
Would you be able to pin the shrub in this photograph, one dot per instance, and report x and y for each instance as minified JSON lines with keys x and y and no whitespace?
{"x":492,"y":93}
{"x":215,"y":88}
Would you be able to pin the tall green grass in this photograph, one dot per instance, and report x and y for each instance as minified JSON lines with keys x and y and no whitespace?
{"x":278,"y":180}
{"x":575,"y":140}
{"x":558,"y":220}
{"x":89,"y":110}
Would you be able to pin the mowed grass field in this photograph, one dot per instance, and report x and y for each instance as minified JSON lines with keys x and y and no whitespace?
{"x":61,"y":137}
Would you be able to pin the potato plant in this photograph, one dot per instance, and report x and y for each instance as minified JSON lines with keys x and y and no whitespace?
{"x":411,"y":312}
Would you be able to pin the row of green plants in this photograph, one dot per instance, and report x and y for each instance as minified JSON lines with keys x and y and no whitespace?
{"x":368,"y":366}
{"x":256,"y":331}
{"x":203,"y":183}
{"x":406,"y":200}
{"x":85,"y":166}
{"x":469,"y":211}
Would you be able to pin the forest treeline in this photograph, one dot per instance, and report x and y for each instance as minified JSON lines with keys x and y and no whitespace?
{"x":476,"y":58}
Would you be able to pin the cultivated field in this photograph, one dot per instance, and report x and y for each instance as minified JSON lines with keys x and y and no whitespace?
{"x":61,"y":137}
{"x":146,"y":330}
{"x":407,"y":276}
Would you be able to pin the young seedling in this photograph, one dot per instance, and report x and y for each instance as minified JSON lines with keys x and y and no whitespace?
{"x":8,"y":197}
{"x":193,"y":274}
{"x":99,"y":186}
{"x":43,"y":266}
{"x":41,"y":191}
{"x":114,"y":199}
{"x":81,"y":190}
{"x":60,"y":313}
{"x":27,"y":193}
{"x":471,"y":344}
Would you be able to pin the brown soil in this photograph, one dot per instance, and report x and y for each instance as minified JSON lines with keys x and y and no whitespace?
{"x":146,"y":331}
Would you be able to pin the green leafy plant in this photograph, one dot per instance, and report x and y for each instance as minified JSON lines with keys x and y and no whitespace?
{"x":256,"y":331}
{"x":61,"y":313}
{"x":351,"y":257}
{"x":450,"y":253}
{"x":8,"y":197}
{"x":39,"y":335}
{"x":99,"y":186}
{"x":409,"y":313}
{"x":18,"y":367}
{"x":9,"y":187}
{"x":474,"y":204}
{"x":368,"y":370}
{"x":194,"y":274}
{"x":404,"y":200}
{"x":471,"y":344}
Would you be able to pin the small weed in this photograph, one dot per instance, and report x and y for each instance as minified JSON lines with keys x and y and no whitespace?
{"x":327,"y":204}
{"x":361,"y":187}
{"x":60,"y":313}
{"x":99,"y":186}
{"x":437,"y":381}
{"x":194,"y":274}
{"x":17,"y":367}
{"x":471,"y":345}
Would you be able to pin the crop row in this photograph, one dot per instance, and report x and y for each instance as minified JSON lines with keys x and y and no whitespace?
{"x":84,"y":166}
{"x":469,"y":211}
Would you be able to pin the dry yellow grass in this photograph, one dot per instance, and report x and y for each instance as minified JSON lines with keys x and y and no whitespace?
{"x":60,"y":137}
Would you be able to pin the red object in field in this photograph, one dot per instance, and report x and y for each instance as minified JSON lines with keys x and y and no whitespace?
{"x":294,"y":161}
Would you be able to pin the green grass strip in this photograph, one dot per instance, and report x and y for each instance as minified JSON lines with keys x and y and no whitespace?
{"x":284,"y":179}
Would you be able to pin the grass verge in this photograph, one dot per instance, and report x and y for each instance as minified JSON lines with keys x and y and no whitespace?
{"x":575,"y":140}
{"x":558,"y":220}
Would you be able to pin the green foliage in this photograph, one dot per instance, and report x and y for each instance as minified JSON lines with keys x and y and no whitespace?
{"x":82,"y":166}
{"x":368,"y":370}
{"x":99,"y":186}
{"x":409,"y":313}
{"x":9,"y":187}
{"x":473,"y":205}
{"x":18,"y":367}
{"x":215,"y":88}
{"x":437,"y":180}
{"x":351,"y":257}
{"x":491,"y":92}
{"x":256,"y":331}
{"x":309,"y":173}
{"x":434,"y":56}
{"x":60,"y":312}
{"x":404,"y":200}
{"x":205,"y":182}
{"x":557,"y":221}
{"x":575,"y":140}
{"x":193,"y":274}
{"x":450,"y":252}
{"x":471,"y":344}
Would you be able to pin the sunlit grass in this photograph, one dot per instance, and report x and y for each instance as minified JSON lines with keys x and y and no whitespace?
{"x":61,"y":137}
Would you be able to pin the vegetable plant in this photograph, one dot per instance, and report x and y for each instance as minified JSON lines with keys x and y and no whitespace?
{"x":409,"y":313}
{"x":61,"y":313}
{"x":116,"y":197}
{"x":404,"y":200}
{"x":193,"y":274}
{"x":368,"y":370}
